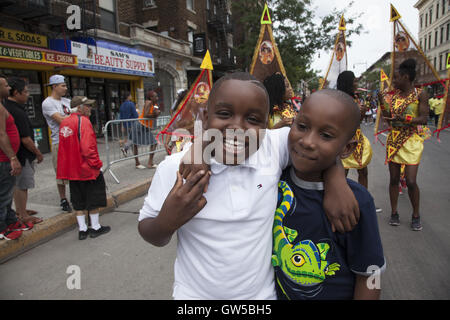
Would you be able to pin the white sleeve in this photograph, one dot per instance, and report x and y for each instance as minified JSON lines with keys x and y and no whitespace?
{"x":49,"y":108}
{"x":283,"y":150}
{"x":162,"y":183}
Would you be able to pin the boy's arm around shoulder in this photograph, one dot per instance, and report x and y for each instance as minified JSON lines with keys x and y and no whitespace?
{"x":162,"y":215}
{"x":339,"y":202}
{"x":364,"y":248}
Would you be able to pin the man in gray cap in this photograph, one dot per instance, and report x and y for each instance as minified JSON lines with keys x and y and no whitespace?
{"x":79,"y":162}
{"x":55,"y":109}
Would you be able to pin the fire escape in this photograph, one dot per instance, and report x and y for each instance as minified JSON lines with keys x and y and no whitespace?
{"x":219,"y":23}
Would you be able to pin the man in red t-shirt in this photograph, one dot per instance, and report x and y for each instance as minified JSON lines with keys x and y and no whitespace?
{"x":79,"y":162}
{"x":10,"y":227}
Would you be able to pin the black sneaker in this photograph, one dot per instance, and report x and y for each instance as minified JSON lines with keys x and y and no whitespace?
{"x":83,"y":234}
{"x":395,"y":220}
{"x":65,"y":205}
{"x":95,"y":233}
{"x":415,"y":224}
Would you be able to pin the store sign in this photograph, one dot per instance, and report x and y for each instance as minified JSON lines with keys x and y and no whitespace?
{"x":24,"y":54}
{"x":109,"y":57}
{"x":21,"y":37}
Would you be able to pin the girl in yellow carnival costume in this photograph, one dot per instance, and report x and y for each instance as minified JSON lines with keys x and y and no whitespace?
{"x":362,"y":155}
{"x":407,"y":109}
{"x":281,"y":114}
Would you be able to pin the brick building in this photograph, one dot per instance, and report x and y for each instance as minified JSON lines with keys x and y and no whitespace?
{"x":174,"y":33}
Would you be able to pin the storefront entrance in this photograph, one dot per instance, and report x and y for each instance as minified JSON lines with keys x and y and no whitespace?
{"x":108,"y":93}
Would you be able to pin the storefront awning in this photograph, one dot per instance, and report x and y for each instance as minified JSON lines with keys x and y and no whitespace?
{"x":108,"y":57}
{"x":24,"y":54}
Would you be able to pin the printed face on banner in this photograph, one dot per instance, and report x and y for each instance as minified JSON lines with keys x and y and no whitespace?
{"x":202,"y":92}
{"x":340,"y":51}
{"x":401,"y":41}
{"x":266,"y":52}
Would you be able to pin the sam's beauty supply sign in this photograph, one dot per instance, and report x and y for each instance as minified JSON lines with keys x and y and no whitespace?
{"x":110,"y":57}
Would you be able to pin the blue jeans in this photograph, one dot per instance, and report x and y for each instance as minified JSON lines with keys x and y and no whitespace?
{"x":7,"y":182}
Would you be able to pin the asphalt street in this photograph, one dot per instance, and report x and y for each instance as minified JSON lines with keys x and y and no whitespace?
{"x":120,"y":265}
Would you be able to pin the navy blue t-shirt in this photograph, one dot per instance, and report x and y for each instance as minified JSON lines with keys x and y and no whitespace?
{"x":128,"y":111}
{"x":312,"y":262}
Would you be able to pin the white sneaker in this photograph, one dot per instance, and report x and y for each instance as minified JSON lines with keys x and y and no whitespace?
{"x":141,"y":167}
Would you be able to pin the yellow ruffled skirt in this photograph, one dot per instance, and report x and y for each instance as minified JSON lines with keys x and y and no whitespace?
{"x":411,"y":151}
{"x":351,"y":163}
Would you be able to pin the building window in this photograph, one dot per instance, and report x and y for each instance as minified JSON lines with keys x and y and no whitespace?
{"x":436,"y":38}
{"x":431,"y":16}
{"x":442,"y":35}
{"x":190,"y":4}
{"x":107,"y":15}
{"x":440,"y":62}
{"x":426,"y":20}
{"x":443,"y":7}
{"x":207,"y":4}
{"x":149,"y":4}
{"x":429,"y":41}
{"x":434,"y":62}
{"x":425,"y":43}
{"x":448,"y":31}
{"x":190,"y":35}
{"x":437,"y":11}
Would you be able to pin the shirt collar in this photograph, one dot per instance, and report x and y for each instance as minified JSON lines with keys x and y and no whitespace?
{"x":251,"y":162}
{"x":305,"y":184}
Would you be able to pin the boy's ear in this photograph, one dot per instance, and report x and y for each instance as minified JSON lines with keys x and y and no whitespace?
{"x":348,"y":149}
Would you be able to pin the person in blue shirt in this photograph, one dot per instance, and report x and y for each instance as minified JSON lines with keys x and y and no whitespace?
{"x":311,"y":261}
{"x":128,"y":110}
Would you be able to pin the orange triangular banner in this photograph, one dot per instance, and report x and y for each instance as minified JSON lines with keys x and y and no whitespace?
{"x":338,"y":62}
{"x":191,"y":108}
{"x":266,"y":57}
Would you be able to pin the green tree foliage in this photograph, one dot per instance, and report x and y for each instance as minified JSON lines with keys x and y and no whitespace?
{"x":298,"y":32}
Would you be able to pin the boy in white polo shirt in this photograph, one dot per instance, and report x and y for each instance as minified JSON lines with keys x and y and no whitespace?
{"x":224,"y":236}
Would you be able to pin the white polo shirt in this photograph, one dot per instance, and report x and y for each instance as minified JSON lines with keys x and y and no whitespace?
{"x":224,"y":252}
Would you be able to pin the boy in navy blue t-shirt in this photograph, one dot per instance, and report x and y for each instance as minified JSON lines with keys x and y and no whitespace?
{"x":312,"y":262}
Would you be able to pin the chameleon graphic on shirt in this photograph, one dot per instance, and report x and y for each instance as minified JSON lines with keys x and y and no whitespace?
{"x":305,"y":262}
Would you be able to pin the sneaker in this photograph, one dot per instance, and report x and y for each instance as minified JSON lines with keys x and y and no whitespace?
{"x":140,"y":167}
{"x":378,"y":210}
{"x":400,"y":190}
{"x":10,"y":234}
{"x":83,"y":234}
{"x":95,"y":233}
{"x":65,"y":205}
{"x":20,"y":226}
{"x":395,"y":220}
{"x":415,"y":224}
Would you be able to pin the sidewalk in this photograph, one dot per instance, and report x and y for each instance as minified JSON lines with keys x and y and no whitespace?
{"x":44,"y":198}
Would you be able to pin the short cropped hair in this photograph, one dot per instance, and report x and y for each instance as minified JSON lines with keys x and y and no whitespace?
{"x":16,"y":84}
{"x":242,"y":76}
{"x":352,"y":108}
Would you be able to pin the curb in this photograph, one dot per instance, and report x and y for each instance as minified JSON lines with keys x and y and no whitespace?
{"x":63,"y":222}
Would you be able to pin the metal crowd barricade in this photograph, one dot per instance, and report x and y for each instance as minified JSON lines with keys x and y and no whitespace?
{"x":120,"y":134}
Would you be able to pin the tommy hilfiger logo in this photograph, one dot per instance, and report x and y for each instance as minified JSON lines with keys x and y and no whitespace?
{"x":259,"y":186}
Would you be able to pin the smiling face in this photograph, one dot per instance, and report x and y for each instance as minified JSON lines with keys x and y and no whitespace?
{"x":238,"y":107}
{"x":320,"y":132}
